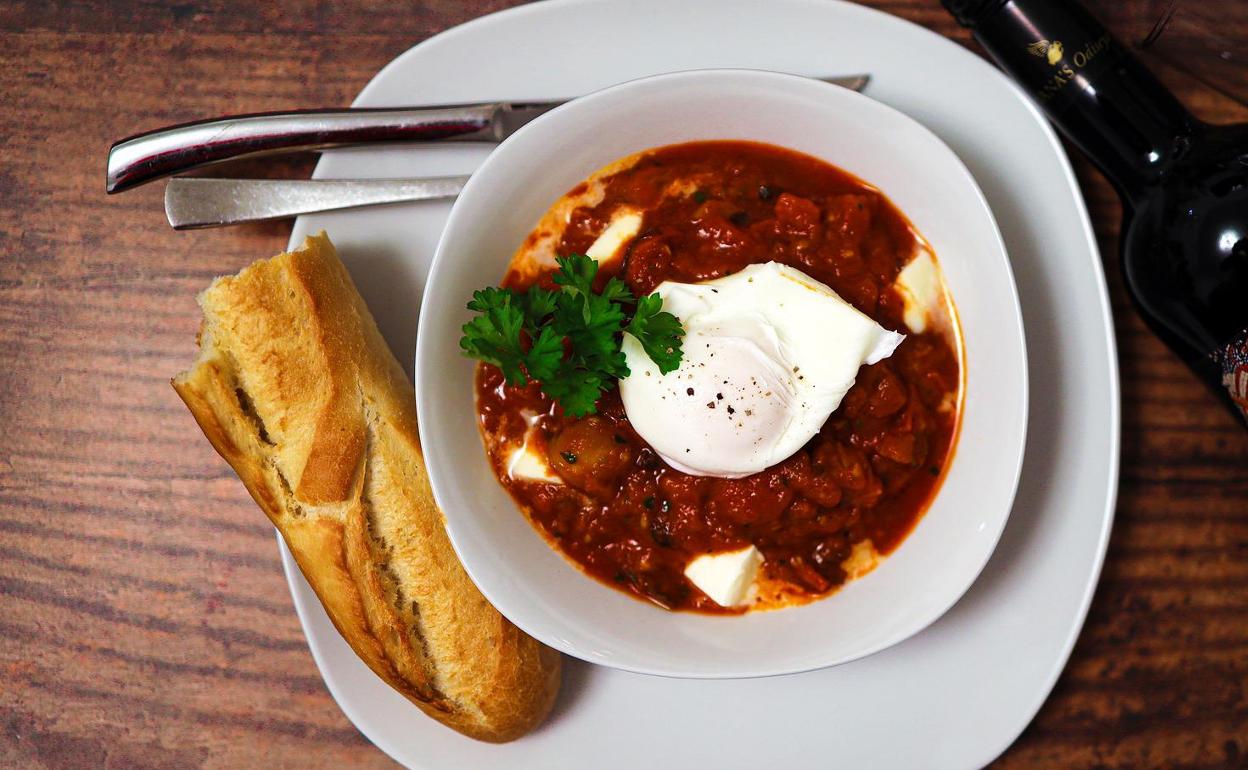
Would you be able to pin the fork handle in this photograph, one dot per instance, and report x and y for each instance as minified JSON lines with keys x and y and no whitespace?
{"x":171,"y":150}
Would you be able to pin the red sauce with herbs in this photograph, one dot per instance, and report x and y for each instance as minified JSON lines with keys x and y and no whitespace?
{"x":633,"y":522}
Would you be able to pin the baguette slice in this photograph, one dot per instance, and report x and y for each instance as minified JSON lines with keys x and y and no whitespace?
{"x":296,"y":389}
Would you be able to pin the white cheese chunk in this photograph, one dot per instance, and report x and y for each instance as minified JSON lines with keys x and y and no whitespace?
{"x":920,"y":287}
{"x":726,"y":577}
{"x":861,"y":560}
{"x":624,"y":226}
{"x":527,"y":464}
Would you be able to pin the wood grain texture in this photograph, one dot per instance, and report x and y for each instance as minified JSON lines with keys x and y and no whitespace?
{"x":144,"y":619}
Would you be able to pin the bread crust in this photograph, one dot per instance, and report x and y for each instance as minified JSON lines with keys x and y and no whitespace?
{"x":295,"y":387}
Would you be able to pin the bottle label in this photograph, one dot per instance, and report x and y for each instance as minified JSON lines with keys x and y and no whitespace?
{"x":1064,"y":65}
{"x":1057,"y":55}
{"x":1234,"y":362}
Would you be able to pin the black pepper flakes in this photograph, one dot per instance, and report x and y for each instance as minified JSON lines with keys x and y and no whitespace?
{"x":688,"y":391}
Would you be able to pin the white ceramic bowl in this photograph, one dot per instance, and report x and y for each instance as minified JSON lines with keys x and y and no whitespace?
{"x":546,"y":595}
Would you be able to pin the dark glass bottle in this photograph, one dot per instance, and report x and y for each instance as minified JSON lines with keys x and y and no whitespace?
{"x":1183,"y":183}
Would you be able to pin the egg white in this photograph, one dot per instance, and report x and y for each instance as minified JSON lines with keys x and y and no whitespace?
{"x":769,"y":352}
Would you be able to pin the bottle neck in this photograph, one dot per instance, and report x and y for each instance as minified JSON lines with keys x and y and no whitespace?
{"x":1096,"y":92}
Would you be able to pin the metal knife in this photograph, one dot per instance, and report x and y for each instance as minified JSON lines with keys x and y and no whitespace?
{"x":160,"y":153}
{"x":192,"y":203}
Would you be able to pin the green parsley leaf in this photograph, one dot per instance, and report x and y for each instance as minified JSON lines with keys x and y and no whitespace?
{"x":590,"y":322}
{"x":617,"y":291}
{"x":659,"y":333}
{"x":489,"y":298}
{"x":576,"y":274}
{"x":544,"y":355}
{"x":536,"y":303}
{"x":576,"y":390}
{"x":494,"y":335}
{"x":569,"y":340}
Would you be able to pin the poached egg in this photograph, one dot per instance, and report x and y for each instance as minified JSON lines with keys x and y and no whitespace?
{"x":769,"y":352}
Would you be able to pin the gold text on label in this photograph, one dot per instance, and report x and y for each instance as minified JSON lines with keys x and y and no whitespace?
{"x":1067,"y":66}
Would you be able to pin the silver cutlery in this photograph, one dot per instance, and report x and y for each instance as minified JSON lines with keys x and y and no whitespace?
{"x":174,"y":149}
{"x":192,"y":203}
{"x":150,"y":156}
{"x":201,"y":202}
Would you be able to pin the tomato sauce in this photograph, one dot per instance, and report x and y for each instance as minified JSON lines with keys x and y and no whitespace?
{"x":628,"y":519}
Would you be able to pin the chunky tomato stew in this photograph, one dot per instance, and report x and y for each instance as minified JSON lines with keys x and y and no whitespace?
{"x":709,"y":209}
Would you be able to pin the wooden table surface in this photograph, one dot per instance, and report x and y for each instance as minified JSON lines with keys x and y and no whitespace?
{"x":144,"y":618}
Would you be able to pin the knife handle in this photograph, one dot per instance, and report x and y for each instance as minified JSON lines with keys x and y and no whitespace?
{"x":155,"y":154}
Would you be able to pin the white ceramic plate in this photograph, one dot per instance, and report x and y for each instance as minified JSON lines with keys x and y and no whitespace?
{"x":955,"y":695}
{"x":544,"y":593}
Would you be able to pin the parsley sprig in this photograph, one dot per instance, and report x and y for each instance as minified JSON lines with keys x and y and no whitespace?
{"x":568,"y":340}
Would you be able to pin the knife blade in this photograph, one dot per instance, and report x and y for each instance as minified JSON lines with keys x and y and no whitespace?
{"x":193,"y":203}
{"x":155,"y":154}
